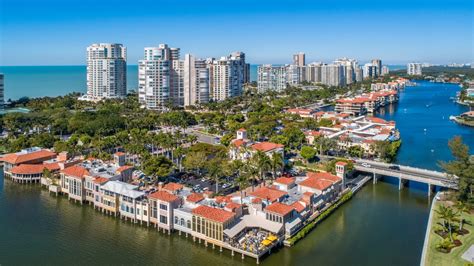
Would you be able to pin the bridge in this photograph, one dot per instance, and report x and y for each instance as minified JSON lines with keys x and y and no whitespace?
{"x":405,"y":173}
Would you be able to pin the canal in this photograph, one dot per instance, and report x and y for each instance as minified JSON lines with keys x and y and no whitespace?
{"x":380,"y":225}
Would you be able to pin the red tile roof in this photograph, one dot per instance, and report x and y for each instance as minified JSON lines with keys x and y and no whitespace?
{"x":298,"y":206}
{"x":173,"y":186}
{"x":19,"y":158}
{"x":28,"y":169}
{"x":232,"y":206}
{"x":319,"y":181}
{"x":238,"y":142}
{"x":269,"y":194}
{"x":222,"y":199}
{"x":76,"y":171}
{"x":123,"y":168}
{"x":120,"y":153}
{"x":324,"y":176}
{"x":100,"y":180}
{"x":279,"y":208}
{"x":242,"y":130}
{"x":341,"y":163}
{"x":195,"y":197}
{"x":213,"y":214}
{"x":266,"y":146}
{"x":163,"y":196}
{"x":285,"y":180}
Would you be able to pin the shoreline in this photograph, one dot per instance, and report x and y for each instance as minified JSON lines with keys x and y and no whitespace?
{"x":428,"y":231}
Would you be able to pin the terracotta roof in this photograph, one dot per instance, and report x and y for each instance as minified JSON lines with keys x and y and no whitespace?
{"x":173,"y":186}
{"x":28,"y":169}
{"x":232,"y":206}
{"x":377,"y":120}
{"x":257,"y":200}
{"x":119,"y":153}
{"x":163,"y":196}
{"x":76,"y":171}
{"x":315,"y":183}
{"x":269,"y":194}
{"x":298,"y":206}
{"x":123,"y":168}
{"x":213,"y":214}
{"x":319,"y":181}
{"x":341,"y":163}
{"x":100,"y":180}
{"x":324,"y":176}
{"x":285,"y":180}
{"x":195,"y":197}
{"x":52,"y":166}
{"x":279,"y":208}
{"x":266,"y":146}
{"x":312,"y":133}
{"x":222,"y":199}
{"x":238,"y":142}
{"x":242,"y":130}
{"x":19,"y":158}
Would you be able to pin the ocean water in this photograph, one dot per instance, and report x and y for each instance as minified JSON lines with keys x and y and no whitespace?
{"x":39,"y":81}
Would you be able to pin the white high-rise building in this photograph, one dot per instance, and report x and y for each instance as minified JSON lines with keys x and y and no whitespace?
{"x":349,"y":66}
{"x":332,"y":75}
{"x":227,"y":76}
{"x":106,"y":71}
{"x":313,"y":72}
{"x":359,"y":75}
{"x":196,"y":81}
{"x":385,"y":70}
{"x":370,"y":71}
{"x":414,"y":69}
{"x":2,"y":91}
{"x":271,"y":78}
{"x":160,"y":78}
{"x":293,"y":74}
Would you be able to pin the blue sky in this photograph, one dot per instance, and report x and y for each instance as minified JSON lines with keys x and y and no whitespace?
{"x":53,"y":32}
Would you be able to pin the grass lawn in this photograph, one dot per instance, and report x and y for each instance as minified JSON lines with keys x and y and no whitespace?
{"x":434,"y":257}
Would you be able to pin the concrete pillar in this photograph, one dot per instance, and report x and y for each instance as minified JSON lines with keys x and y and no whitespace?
{"x":232,"y":253}
{"x":258,"y":260}
{"x":431,"y":189}
{"x":400,"y":183}
{"x":220,"y":248}
{"x":243,"y":256}
{"x":375,"y":179}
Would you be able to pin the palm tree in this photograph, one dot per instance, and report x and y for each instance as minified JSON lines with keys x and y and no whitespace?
{"x":276,"y":162}
{"x":462,"y":207}
{"x":215,"y":172}
{"x":448,"y":215}
{"x":262,"y":163}
{"x":243,"y":182}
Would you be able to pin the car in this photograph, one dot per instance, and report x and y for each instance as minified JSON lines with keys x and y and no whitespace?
{"x":366,"y":165}
{"x":394,"y":167}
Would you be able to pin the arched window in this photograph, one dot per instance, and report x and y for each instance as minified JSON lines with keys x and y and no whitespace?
{"x":189,"y":224}
{"x":176,"y":219}
{"x":182,"y":222}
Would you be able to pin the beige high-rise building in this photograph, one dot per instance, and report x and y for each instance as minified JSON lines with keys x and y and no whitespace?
{"x":378,"y":64}
{"x":196,"y":81}
{"x":227,"y":76}
{"x":106,"y":71}
{"x":299,"y":59}
{"x":2,"y":91}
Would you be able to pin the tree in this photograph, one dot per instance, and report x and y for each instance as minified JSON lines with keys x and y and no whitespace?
{"x":226,"y":139}
{"x":462,"y":208}
{"x":262,"y":163}
{"x":448,"y":215}
{"x":462,"y":167}
{"x":157,"y":166}
{"x":215,"y":170}
{"x":277,"y":163}
{"x":195,"y":161}
{"x":325,"y":144}
{"x":356,"y":151}
{"x":308,"y":153}
{"x":243,"y":183}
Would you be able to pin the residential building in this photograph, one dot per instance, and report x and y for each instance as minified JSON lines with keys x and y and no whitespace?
{"x":227,"y":76}
{"x":313,"y":72}
{"x":27,"y":165}
{"x":378,"y":66}
{"x":332,"y":75}
{"x":271,"y":78}
{"x":160,"y":78}
{"x":385,"y":70}
{"x":196,"y":81}
{"x":119,"y":198}
{"x":359,"y":74}
{"x":106,"y":71}
{"x":294,"y":74}
{"x":299,"y":59}
{"x":414,"y":69}
{"x":370,"y":71}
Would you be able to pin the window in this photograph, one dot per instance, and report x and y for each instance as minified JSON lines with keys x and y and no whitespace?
{"x":182,"y":222}
{"x":189,"y":224}
{"x":163,"y":219}
{"x":164,"y":207}
{"x":176,"y":219}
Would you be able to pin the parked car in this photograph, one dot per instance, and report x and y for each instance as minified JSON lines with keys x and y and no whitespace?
{"x":366,"y":165}
{"x":394,"y":167}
